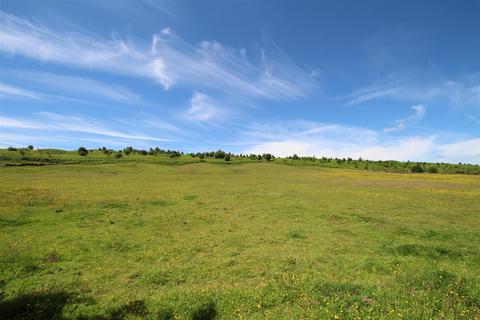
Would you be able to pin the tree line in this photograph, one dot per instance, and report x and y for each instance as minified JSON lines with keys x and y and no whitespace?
{"x":378,"y":165}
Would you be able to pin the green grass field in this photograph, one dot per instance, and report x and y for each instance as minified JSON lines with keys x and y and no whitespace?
{"x":129,"y":240}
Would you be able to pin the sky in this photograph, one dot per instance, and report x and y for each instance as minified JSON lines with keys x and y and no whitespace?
{"x":381,"y":80}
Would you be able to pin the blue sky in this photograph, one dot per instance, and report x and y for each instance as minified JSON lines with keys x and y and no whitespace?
{"x":376,"y":79}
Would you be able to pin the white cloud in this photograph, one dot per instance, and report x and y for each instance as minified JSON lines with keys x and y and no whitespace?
{"x":372,"y":94}
{"x":334,"y":140}
{"x":49,"y":121}
{"x":400,"y":124}
{"x":407,"y":88}
{"x":168,"y":60}
{"x":466,"y":151}
{"x":203,"y":108}
{"x":62,"y":84}
{"x":12,"y":91}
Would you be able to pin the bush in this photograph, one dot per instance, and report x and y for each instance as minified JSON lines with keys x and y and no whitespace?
{"x":12,"y":149}
{"x":206,"y":311}
{"x":267,"y":156}
{"x":128,"y":150}
{"x":219,"y":154}
{"x":82,"y":151}
{"x":432,"y":170}
{"x":30,"y":147}
{"x":416,"y":168}
{"x":118,"y":155}
{"x":227,"y":157}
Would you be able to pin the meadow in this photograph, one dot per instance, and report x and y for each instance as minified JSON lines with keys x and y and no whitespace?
{"x":163,"y":238}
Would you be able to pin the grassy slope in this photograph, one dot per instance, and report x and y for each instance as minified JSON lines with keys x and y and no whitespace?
{"x":56,"y":156}
{"x":255,"y":240}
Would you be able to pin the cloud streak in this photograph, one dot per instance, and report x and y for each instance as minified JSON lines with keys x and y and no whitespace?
{"x":406,"y":88}
{"x":168,"y":60}
{"x":17,"y":92}
{"x":59,"y":84}
{"x":204,"y":109}
{"x":53,"y":122}
{"x":400,"y":124}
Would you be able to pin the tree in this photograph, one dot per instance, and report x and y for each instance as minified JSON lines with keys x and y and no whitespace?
{"x":30,"y":147}
{"x":11,"y":149}
{"x":82,"y":151}
{"x":267,"y":156}
{"x":432,"y":169}
{"x":227,"y":157}
{"x":295,"y":157}
{"x":219,"y":154}
{"x":128,"y":150}
{"x":118,"y":155}
{"x":417,"y":168}
{"x":175,"y":154}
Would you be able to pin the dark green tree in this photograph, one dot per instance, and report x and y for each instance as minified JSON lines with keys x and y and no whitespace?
{"x":417,"y":168}
{"x":267,"y":156}
{"x":82,"y":151}
{"x":219,"y":154}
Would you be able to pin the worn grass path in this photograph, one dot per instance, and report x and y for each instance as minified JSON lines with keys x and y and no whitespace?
{"x":253,"y":241}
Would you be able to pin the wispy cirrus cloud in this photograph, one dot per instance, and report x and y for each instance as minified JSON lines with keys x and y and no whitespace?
{"x":17,"y":92}
{"x":400,"y":124}
{"x":405,"y":87}
{"x":204,"y":109}
{"x":73,"y":86}
{"x":168,"y":60}
{"x":54,"y":122}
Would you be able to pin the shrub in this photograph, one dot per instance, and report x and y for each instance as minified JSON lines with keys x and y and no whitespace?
{"x":128,"y":150}
{"x":166,"y":314}
{"x":417,"y":168}
{"x":82,"y":151}
{"x":432,"y":170}
{"x":30,"y":147}
{"x":118,"y":155}
{"x":12,"y":149}
{"x":267,"y":156}
{"x":206,"y":311}
{"x":227,"y":157}
{"x":219,"y":154}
